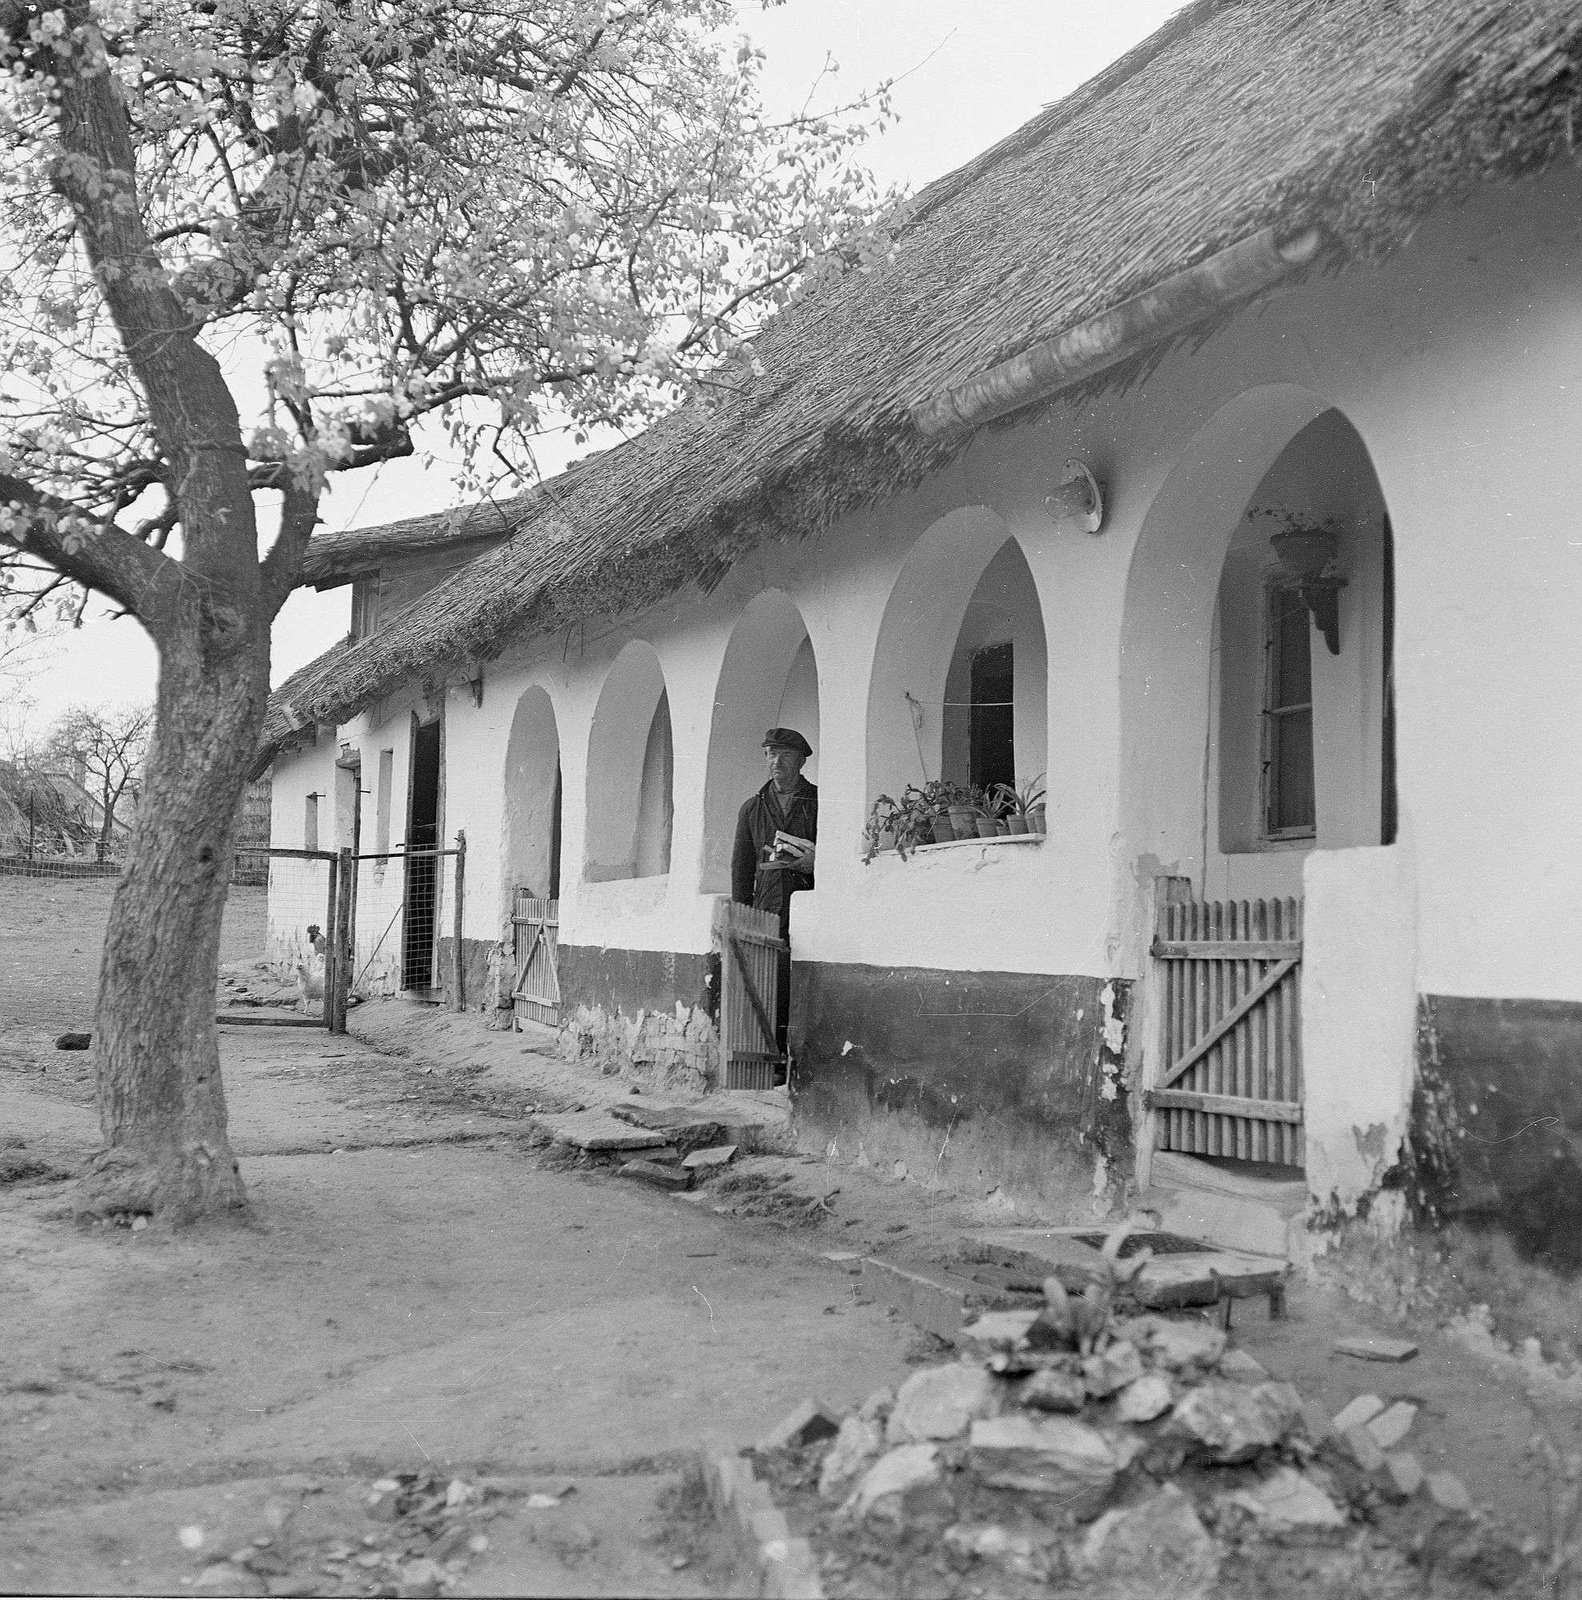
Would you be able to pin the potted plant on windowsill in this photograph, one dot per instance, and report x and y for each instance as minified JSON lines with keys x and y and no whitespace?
{"x":901,"y":825}
{"x":990,"y":818}
{"x":1020,"y":804}
{"x":963,"y":805}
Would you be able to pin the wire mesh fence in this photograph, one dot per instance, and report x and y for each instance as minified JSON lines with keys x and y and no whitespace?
{"x":403,"y":901}
{"x":301,"y":922}
{"x":59,"y":865}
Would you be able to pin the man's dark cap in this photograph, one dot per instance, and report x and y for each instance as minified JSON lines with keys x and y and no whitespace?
{"x":787,"y":739}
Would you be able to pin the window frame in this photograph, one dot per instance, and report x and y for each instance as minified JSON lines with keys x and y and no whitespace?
{"x":1273,"y":712}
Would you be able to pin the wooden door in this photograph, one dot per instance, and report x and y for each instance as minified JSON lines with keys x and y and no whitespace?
{"x":1229,"y":1081}
{"x":749,"y":945}
{"x":536,"y":926}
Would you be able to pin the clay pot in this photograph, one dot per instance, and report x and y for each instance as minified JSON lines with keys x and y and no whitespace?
{"x":1016,"y":823}
{"x":944,"y":833}
{"x":1036,"y":822}
{"x":985,"y":827}
{"x":965,"y":822}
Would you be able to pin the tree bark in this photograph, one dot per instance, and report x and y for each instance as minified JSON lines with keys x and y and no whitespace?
{"x":161,"y":1103}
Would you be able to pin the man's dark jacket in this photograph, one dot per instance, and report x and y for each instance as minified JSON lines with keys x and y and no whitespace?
{"x":756,"y":824}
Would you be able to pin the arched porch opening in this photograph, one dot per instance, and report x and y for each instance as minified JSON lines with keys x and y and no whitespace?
{"x":960,"y":684}
{"x":1257,"y":727}
{"x":531,"y":809}
{"x":768,"y":679}
{"x":631,"y":762}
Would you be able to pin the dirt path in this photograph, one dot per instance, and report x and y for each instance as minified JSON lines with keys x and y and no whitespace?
{"x":426,"y":1291}
{"x":418,"y":1290}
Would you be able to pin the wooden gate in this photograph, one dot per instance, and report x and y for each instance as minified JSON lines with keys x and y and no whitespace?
{"x":536,"y":925}
{"x":1230,"y":1063}
{"x":749,"y":944}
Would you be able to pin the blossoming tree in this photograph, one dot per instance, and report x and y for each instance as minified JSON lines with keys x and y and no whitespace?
{"x":252,"y":244}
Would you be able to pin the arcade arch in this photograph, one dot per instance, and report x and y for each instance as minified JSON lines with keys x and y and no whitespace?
{"x":960,"y":684}
{"x":768,"y":679}
{"x":631,"y":768}
{"x":531,"y":830}
{"x":1226,"y":681}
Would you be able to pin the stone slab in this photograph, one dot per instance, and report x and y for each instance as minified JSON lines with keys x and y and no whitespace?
{"x":1375,"y":1347}
{"x":594,"y":1131}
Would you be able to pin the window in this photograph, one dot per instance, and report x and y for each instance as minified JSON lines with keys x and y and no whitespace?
{"x":365,"y":605}
{"x":992,"y":727}
{"x":1289,"y":810}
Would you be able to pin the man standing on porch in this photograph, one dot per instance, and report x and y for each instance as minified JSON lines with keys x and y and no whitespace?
{"x":773,"y":855}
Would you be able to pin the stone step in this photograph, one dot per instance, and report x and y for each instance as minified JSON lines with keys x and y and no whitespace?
{"x":1224,"y":1207}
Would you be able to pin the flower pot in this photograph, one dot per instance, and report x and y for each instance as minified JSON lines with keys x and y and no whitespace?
{"x":1002,"y":827}
{"x":1036,"y":822}
{"x":943,"y":831}
{"x":1016,"y":824}
{"x":985,"y":827}
{"x":965,"y":822}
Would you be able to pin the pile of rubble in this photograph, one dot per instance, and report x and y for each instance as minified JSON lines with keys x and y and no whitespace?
{"x":1119,"y":1454}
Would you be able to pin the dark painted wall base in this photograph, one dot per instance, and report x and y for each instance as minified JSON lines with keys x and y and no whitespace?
{"x":976,"y":1078}
{"x":636,"y":980}
{"x":477,"y":973}
{"x":1497,"y":1125}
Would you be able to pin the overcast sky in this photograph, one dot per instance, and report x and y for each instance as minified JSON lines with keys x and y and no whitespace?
{"x":968,"y":72}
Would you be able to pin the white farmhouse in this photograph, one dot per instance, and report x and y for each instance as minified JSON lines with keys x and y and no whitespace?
{"x":1299,"y":287}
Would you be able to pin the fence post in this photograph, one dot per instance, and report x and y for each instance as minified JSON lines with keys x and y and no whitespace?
{"x":332,"y":946}
{"x":344,"y":956}
{"x":455,"y":953}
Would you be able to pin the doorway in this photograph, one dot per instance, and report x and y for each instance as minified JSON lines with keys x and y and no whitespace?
{"x":422,"y":839}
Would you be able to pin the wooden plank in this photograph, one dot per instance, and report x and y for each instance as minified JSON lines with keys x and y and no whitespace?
{"x":1226,"y":1104}
{"x":1227,"y":1022}
{"x":1226,"y":949}
{"x":752,"y":995}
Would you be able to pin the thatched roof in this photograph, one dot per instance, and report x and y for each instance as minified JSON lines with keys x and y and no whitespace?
{"x":1355,"y":116}
{"x":337,"y":558}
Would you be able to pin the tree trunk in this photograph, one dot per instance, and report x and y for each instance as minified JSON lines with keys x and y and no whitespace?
{"x":161,"y":1101}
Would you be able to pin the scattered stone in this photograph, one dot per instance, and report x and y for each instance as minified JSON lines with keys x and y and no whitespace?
{"x":191,"y":1537}
{"x":1229,"y":1422}
{"x":382,"y":1506}
{"x":1375,"y":1347}
{"x":420,"y":1578}
{"x":1000,"y":1330}
{"x":139,"y":1222}
{"x":1448,"y":1492}
{"x":939,"y":1403}
{"x":1393,"y":1425}
{"x":810,"y":1421}
{"x":1176,"y":1345}
{"x":1291,"y":1499}
{"x":1018,"y":1553}
{"x":651,"y":1172}
{"x":1364,"y":1449}
{"x":1046,"y":1455}
{"x":857,"y":1442}
{"x":1403,"y":1474}
{"x":1116,"y":1367}
{"x":716,"y":1156}
{"x":905,"y":1468}
{"x":841,"y":1257}
{"x":877,"y":1406}
{"x":1317,"y":1425}
{"x":74,"y":1041}
{"x":1053,"y":1389}
{"x":1156,"y":1547}
{"x":1361,"y":1410}
{"x":1239,"y":1366}
{"x":1147,"y":1398}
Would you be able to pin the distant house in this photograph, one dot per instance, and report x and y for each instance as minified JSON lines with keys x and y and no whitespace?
{"x":1282,"y":269}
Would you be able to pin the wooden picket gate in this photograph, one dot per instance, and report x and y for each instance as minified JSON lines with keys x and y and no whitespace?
{"x":535,"y":924}
{"x":749,"y":944}
{"x":1229,"y":1080}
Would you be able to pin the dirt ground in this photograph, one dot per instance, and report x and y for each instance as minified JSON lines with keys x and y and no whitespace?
{"x":428,"y":1294}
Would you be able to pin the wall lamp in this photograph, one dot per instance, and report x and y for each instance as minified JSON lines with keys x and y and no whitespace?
{"x":1307,"y":553}
{"x":1077,"y":498}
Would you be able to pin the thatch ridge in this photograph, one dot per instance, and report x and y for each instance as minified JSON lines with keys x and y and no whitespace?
{"x":1359,"y":116}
